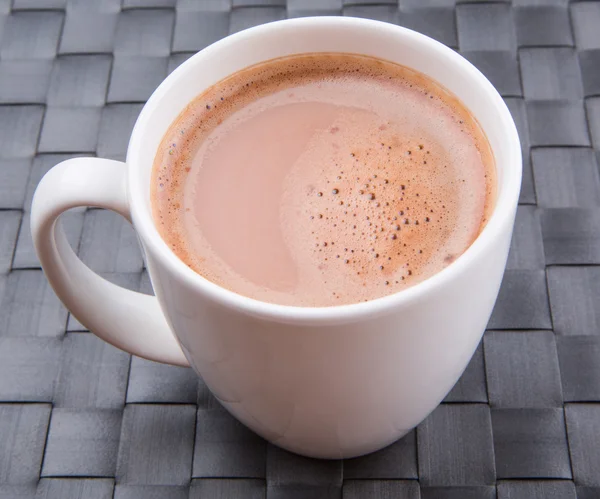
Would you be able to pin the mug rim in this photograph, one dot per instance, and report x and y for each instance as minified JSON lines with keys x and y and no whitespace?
{"x":507,"y":197}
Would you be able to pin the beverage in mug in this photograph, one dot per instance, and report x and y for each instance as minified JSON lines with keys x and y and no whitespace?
{"x":322,"y":179}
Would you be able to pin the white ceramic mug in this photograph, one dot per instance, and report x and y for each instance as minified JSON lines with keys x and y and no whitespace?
{"x":327,"y":382}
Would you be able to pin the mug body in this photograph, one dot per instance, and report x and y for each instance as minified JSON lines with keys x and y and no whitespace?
{"x":338,"y":381}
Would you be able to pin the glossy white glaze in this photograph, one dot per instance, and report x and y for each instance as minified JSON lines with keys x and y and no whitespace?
{"x":325,"y":382}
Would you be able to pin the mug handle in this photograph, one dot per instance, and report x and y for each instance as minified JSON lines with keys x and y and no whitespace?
{"x":131,"y":321}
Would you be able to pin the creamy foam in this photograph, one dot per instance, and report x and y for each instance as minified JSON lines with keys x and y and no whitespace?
{"x":321,"y":180}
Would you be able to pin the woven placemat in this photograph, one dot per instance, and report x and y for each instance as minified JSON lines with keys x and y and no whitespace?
{"x":80,"y":419}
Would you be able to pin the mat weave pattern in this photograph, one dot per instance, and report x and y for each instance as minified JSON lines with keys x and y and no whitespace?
{"x":82,"y":420}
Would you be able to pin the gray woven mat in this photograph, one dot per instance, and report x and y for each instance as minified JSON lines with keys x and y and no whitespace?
{"x":79,"y":419}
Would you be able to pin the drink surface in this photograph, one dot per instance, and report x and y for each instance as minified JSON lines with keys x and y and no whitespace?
{"x":322,"y":179}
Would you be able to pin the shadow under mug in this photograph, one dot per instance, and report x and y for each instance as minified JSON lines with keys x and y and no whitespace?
{"x":330,"y":382}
